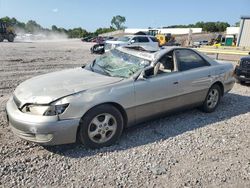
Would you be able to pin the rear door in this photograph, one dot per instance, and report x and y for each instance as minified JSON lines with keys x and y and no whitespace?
{"x":154,"y":42}
{"x":196,"y":76}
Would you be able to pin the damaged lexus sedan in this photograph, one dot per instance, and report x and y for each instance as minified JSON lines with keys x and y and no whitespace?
{"x":123,"y":87}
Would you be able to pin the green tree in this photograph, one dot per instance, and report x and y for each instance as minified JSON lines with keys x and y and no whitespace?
{"x":13,"y":22}
{"x":32,"y":26}
{"x":237,"y":24}
{"x":118,"y":21}
{"x":54,"y":28}
{"x":77,"y":33}
{"x":206,"y":26}
{"x":210,"y":27}
{"x":200,"y":24}
{"x":6,"y":20}
{"x":222,"y":26}
{"x":104,"y":30}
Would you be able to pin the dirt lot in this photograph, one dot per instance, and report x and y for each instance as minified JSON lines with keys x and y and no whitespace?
{"x":189,"y":149}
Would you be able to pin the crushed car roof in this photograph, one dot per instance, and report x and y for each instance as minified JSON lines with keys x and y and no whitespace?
{"x":145,"y":53}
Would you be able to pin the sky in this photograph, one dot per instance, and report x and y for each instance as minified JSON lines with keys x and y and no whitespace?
{"x":92,"y":14}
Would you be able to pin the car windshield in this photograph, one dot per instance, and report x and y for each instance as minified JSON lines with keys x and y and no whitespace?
{"x":118,"y":64}
{"x":124,"y":39}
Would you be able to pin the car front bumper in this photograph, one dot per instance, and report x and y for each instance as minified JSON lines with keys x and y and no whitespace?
{"x":242,"y":75}
{"x":47,"y":130}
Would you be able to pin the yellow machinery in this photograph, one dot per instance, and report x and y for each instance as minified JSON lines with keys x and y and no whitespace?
{"x":163,"y":39}
{"x":228,"y":40}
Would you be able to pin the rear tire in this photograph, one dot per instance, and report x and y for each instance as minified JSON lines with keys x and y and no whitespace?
{"x":101,"y":126}
{"x":11,"y":38}
{"x":212,"y":99}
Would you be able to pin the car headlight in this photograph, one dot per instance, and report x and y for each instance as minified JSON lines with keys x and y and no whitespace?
{"x":45,"y":110}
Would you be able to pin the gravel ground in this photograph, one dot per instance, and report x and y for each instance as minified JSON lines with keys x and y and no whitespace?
{"x":188,"y":149}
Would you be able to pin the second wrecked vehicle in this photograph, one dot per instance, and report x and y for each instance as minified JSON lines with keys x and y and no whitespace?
{"x":142,"y":40}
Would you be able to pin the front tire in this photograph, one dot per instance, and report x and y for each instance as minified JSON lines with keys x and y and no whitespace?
{"x":242,"y":82}
{"x":101,"y":126}
{"x":1,"y":38}
{"x":212,"y":99}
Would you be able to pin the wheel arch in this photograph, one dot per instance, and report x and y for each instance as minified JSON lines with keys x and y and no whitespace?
{"x":219,"y":83}
{"x":116,"y":105}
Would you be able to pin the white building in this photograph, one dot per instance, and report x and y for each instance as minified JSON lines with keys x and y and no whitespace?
{"x":173,"y":31}
{"x":244,"y":32}
{"x":233,"y":30}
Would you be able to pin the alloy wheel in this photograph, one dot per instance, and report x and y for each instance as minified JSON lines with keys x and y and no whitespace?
{"x":102,"y":128}
{"x":213,"y":98}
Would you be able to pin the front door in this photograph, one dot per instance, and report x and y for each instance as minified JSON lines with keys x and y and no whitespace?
{"x":159,"y":92}
{"x":156,"y":95}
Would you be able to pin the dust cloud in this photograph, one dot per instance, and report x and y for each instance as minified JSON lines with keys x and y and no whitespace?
{"x":39,"y":36}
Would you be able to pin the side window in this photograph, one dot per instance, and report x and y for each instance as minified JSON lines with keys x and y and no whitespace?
{"x":165,"y":64}
{"x":188,"y":59}
{"x":143,"y":39}
{"x":136,"y":39}
{"x":153,"y":39}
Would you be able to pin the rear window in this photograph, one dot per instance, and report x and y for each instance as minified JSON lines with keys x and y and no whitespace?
{"x":188,"y":59}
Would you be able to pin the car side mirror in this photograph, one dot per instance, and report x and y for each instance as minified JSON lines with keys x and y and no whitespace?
{"x":147,"y":73}
{"x":132,"y":41}
{"x":142,"y":76}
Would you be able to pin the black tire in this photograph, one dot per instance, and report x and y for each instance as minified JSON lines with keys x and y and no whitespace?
{"x":242,"y":82}
{"x":86,"y":125}
{"x":1,"y":38}
{"x":11,"y":38}
{"x":238,"y":81}
{"x":91,"y":50}
{"x":209,"y":106}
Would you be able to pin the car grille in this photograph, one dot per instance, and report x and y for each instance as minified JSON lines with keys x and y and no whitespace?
{"x":245,"y":64}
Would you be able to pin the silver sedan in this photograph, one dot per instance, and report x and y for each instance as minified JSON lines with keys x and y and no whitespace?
{"x":94,"y":103}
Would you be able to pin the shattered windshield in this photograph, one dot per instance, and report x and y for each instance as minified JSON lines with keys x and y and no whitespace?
{"x":118,"y":64}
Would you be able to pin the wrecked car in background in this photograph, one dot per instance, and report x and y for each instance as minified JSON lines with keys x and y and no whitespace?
{"x":99,"y":47}
{"x":123,"y":87}
{"x":142,"y":40}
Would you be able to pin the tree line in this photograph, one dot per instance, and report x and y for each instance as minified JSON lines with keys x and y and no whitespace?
{"x":33,"y":27}
{"x":206,"y":26}
{"x":117,"y":23}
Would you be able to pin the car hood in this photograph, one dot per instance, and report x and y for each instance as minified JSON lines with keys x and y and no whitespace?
{"x":50,"y":87}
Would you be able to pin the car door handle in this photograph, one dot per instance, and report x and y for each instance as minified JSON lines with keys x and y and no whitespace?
{"x":176,"y":83}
